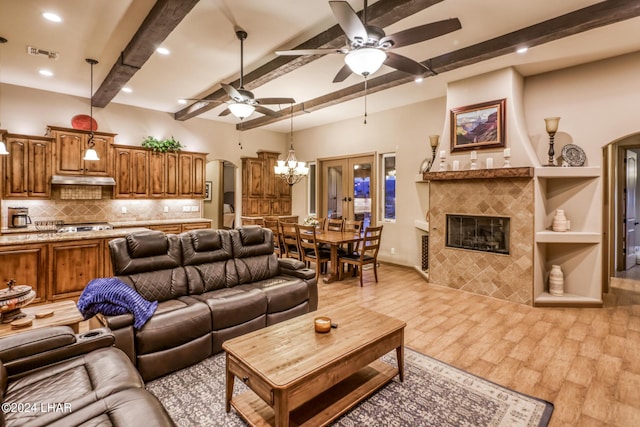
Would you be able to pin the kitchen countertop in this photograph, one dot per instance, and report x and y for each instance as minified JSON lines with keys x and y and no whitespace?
{"x":158,"y":222}
{"x":52,"y":237}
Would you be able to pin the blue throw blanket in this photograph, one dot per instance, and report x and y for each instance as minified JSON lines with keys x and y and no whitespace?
{"x":111,"y":297}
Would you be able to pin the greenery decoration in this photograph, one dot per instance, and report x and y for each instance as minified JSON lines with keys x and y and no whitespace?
{"x":162,"y":146}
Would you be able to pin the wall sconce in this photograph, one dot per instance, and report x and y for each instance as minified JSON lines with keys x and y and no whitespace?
{"x":433,"y":141}
{"x":551,"y":124}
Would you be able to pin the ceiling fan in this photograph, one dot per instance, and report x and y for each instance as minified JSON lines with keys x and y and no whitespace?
{"x":243,"y":103}
{"x":369,"y":47}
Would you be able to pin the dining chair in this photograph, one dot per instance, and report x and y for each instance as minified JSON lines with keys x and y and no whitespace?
{"x":334,"y":224}
{"x":252,"y":220}
{"x":310,"y":249}
{"x":322,"y":223}
{"x":272,"y":225}
{"x":289,"y":238}
{"x":352,"y":225}
{"x":366,"y":253}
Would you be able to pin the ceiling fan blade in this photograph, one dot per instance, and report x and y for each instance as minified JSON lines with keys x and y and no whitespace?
{"x":344,"y":72}
{"x":267,"y":111}
{"x":310,"y":52}
{"x":422,"y":33}
{"x":405,"y":64}
{"x":232,"y":92}
{"x":348,"y":20}
{"x":276,"y":101}
{"x":225,"y":112}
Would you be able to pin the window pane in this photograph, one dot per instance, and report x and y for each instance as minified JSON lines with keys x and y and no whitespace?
{"x":389,"y":165}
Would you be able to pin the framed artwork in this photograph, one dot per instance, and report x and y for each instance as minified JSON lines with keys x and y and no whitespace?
{"x":478,"y":126}
{"x":207,"y":191}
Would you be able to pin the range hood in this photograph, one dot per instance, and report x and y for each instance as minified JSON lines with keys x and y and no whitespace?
{"x":82,"y":180}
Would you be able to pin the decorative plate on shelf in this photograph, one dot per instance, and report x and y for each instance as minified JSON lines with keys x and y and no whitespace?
{"x":84,"y":122}
{"x":573,"y":155}
{"x":424,"y":166}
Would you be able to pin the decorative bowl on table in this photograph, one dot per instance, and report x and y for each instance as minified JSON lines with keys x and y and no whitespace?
{"x":12,"y":299}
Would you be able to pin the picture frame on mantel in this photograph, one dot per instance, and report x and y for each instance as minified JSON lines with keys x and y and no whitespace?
{"x":207,"y":191}
{"x":478,"y":126}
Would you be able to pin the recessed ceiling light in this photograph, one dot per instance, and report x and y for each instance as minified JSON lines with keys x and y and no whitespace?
{"x":182,"y":101}
{"x":127,"y":89}
{"x":162,"y":51}
{"x":418,"y":79}
{"x":46,"y":73}
{"x":522,"y":49}
{"x":49,"y":16}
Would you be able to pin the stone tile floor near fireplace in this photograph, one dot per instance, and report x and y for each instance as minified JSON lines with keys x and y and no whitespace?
{"x":585,"y":361}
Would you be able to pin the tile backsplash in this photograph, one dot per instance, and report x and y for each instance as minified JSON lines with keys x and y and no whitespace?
{"x":104,"y":209}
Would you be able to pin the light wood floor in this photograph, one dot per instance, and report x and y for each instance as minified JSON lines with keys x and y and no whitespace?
{"x":585,"y":361}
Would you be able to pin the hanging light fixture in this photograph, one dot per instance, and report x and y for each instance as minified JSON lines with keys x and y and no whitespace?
{"x":91,"y":154}
{"x":3,"y":147}
{"x":241,"y":110}
{"x":366,"y":60}
{"x":291,"y":170}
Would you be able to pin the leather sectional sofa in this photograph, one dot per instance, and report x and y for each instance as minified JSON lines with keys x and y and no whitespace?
{"x":53,"y":377}
{"x":211,"y":285}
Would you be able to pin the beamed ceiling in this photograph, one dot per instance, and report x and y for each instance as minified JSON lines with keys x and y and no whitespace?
{"x":205,"y":52}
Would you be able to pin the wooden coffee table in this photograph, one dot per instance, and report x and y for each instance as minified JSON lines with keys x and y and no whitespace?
{"x":65,"y":313}
{"x":299,"y":377}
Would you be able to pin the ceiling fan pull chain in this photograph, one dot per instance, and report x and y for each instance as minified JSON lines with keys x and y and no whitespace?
{"x":365,"y":100}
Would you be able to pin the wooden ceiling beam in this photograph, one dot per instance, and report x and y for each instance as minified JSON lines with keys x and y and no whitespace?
{"x":588,"y":18}
{"x":382,"y":14}
{"x":163,"y":18}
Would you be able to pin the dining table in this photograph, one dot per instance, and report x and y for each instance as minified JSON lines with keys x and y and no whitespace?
{"x":335,"y":239}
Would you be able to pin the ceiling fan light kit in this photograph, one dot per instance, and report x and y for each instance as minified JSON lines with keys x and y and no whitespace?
{"x":240,"y":110}
{"x":365,"y":61}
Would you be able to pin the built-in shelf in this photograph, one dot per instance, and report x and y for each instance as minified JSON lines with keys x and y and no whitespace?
{"x":419,"y":178}
{"x":568,"y":172}
{"x":421,"y":225}
{"x":545,"y":299}
{"x":568,"y":237}
{"x":522,"y":172}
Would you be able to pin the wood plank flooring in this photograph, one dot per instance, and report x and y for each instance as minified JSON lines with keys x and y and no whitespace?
{"x":585,"y":361}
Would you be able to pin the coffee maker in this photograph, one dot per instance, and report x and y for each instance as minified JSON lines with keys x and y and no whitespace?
{"x":18,"y":217}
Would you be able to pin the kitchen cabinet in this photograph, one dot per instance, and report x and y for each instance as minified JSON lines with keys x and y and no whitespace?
{"x":27,"y":167}
{"x":264,"y":193}
{"x":27,"y":265}
{"x":72,"y":265}
{"x":70,"y":146}
{"x":195,"y":226}
{"x":131,"y":172}
{"x":157,"y":180}
{"x":191,"y":175}
{"x":575,"y":190}
{"x":166,"y":228}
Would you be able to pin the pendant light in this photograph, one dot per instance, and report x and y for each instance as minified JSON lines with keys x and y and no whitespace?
{"x":3,"y":147}
{"x":91,"y":154}
{"x":291,"y":170}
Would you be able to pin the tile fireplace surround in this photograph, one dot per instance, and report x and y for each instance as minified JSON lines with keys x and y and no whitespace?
{"x":490,"y":192}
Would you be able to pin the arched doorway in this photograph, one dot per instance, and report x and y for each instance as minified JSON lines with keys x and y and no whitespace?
{"x":220,"y":204}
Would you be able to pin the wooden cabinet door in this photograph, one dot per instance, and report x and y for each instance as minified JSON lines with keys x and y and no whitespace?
{"x":103,"y":148}
{"x":16,"y":167}
{"x":123,"y":161}
{"x":195,"y":226}
{"x":140,"y":173}
{"x":167,"y":228}
{"x":73,"y":265}
{"x":171,"y":175}
{"x":185,"y":174}
{"x":27,"y":265}
{"x":69,"y":147}
{"x":270,"y":184}
{"x":157,"y":175}
{"x":199,"y":171}
{"x":255,"y":184}
{"x":39,"y":169}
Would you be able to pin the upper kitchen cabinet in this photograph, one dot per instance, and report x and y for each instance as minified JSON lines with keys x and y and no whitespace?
{"x":131,"y":172}
{"x":70,"y":145}
{"x":27,"y":167}
{"x":191,"y":174}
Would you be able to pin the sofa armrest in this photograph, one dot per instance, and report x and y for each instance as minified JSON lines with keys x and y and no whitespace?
{"x":41,"y":347}
{"x":115,"y":322}
{"x":295,"y":268}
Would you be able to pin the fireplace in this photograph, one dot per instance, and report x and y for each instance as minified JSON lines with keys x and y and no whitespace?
{"x":478,"y":233}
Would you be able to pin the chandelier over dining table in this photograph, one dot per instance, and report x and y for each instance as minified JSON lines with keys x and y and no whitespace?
{"x":291,"y":170}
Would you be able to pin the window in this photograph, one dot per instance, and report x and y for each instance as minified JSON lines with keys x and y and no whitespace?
{"x":311,"y":182}
{"x":389,"y":188}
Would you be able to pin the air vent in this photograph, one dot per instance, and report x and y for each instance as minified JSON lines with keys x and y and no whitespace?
{"x":36,"y":51}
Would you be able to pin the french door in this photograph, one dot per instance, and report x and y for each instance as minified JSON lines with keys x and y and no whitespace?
{"x":348,"y":188}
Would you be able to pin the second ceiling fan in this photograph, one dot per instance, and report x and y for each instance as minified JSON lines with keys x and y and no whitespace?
{"x":243,"y":103}
{"x":369,"y":46}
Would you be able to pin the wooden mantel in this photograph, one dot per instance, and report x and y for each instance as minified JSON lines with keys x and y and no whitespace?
{"x":523,"y":172}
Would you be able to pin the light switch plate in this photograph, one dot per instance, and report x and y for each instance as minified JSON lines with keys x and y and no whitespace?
{"x":186,"y":208}
{"x":123,"y":210}
{"x":165,"y":209}
{"x":195,"y":208}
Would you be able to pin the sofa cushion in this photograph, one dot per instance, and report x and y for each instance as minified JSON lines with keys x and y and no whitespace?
{"x":147,"y":244}
{"x":174,"y":323}
{"x":234,"y":306}
{"x":282,"y":292}
{"x":208,"y":260}
{"x":250,"y":241}
{"x":78,"y":381}
{"x":251,"y":235}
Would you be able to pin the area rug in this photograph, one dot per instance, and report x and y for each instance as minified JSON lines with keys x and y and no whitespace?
{"x":433,"y":394}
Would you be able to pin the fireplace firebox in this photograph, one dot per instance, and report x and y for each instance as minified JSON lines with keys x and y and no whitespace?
{"x":478,"y":233}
